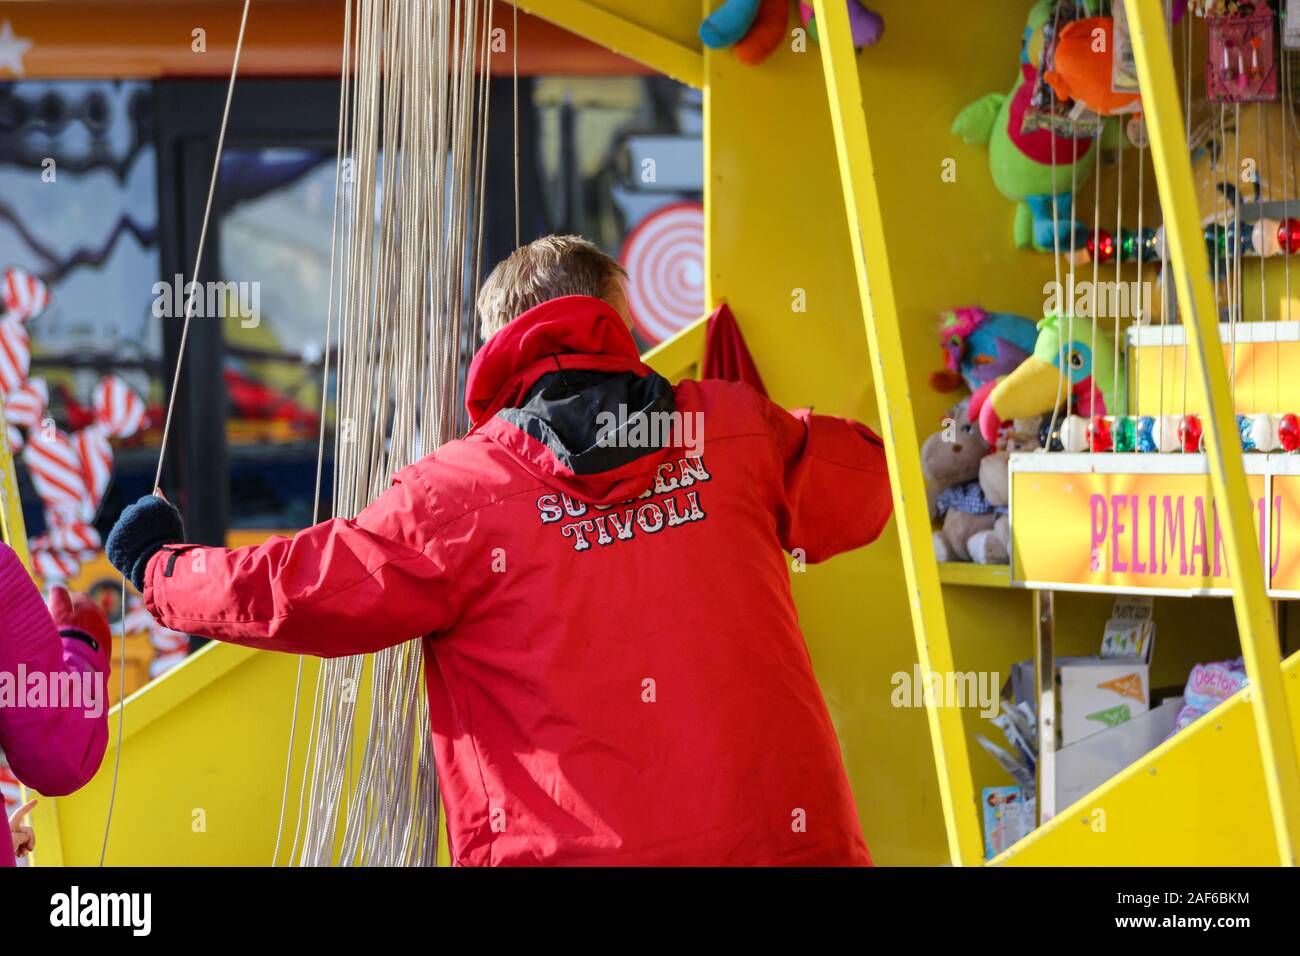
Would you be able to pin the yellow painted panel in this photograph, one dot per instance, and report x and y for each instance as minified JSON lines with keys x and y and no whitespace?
{"x":202,"y":767}
{"x":1196,"y":800}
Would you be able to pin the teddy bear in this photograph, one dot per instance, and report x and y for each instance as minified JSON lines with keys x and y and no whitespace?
{"x":951,"y":463}
{"x":967,"y":486}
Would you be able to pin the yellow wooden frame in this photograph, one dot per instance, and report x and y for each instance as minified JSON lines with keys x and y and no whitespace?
{"x":898,"y":423}
{"x":622,"y":36}
{"x":1196,"y":304}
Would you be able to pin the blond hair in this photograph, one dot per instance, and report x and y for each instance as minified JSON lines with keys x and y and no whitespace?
{"x":546,"y":269}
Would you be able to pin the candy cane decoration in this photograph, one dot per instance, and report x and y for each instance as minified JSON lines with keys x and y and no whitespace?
{"x":15,"y":355}
{"x":23,"y":295}
{"x":118,"y":407}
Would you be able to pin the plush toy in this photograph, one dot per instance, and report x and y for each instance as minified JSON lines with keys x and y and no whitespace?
{"x":1022,"y":162}
{"x":766,"y":33}
{"x":979,"y":346}
{"x":727,"y":25}
{"x":866,"y":25}
{"x":1093,"y":381}
{"x":1081,"y":69}
{"x":951,"y":463}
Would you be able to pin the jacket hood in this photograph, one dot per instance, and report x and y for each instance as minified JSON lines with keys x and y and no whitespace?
{"x":564,"y":390}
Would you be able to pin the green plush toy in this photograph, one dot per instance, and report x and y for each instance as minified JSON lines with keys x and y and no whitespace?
{"x":1022,"y":161}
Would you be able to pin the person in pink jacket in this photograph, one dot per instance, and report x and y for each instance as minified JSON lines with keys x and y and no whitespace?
{"x":54,"y":665}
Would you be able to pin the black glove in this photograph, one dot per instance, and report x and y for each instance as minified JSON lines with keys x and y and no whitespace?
{"x":141,"y":533}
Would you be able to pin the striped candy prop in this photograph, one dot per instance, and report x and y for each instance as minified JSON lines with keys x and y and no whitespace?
{"x":24,"y":409}
{"x":118,"y":408}
{"x":23,"y":295}
{"x":170,"y":647}
{"x":664,"y":258}
{"x":55,"y":466}
{"x":15,"y":355}
{"x":10,"y":787}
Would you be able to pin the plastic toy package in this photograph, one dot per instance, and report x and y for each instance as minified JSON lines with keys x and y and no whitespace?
{"x":1208,"y":686}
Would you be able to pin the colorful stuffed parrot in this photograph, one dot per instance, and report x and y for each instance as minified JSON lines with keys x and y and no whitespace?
{"x":1022,"y":162}
{"x":980,"y":346}
{"x":1097,"y":386}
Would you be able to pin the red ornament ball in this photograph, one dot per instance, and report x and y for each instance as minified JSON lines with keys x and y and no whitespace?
{"x":1101,"y":245}
{"x":1288,"y":432}
{"x":1189,"y":433}
{"x":1288,"y":236}
{"x":1099,"y":434}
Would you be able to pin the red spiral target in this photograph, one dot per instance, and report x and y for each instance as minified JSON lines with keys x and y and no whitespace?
{"x":664,"y":258}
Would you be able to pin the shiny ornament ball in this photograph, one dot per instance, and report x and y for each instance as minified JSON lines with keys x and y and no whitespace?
{"x":1167,"y":433}
{"x":1263,"y":237}
{"x":1288,"y":432}
{"x":1074,"y":434}
{"x":1100,"y":437}
{"x":1101,"y":246}
{"x":1288,"y":235}
{"x":1146,"y":434}
{"x":1125,"y":432}
{"x":1244,"y":430}
{"x":1263,"y":432}
{"x":1190,"y":432}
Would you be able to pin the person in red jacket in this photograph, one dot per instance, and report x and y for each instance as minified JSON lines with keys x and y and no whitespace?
{"x":53,"y":698}
{"x":613,"y":659}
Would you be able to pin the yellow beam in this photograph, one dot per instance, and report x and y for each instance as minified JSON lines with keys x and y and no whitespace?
{"x":12,"y":528}
{"x":1196,"y":303}
{"x":622,"y":36}
{"x":875,"y":287}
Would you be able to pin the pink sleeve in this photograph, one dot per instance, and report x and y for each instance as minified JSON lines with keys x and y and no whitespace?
{"x":340,"y":587}
{"x":833,"y":493}
{"x":53,"y":711}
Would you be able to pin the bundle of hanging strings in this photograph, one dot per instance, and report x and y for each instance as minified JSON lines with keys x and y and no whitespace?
{"x":406,"y":259}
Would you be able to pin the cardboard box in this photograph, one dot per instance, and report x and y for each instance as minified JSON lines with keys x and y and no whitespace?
{"x":1084,"y":766}
{"x":1099,"y":693}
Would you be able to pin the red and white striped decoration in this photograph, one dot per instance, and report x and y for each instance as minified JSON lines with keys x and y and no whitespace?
{"x":118,"y":407}
{"x":74,"y":537}
{"x":96,"y":454}
{"x":10,"y":787}
{"x":51,"y":566}
{"x":170,"y":647}
{"x":23,"y":294}
{"x":15,"y":355}
{"x":25,"y":405}
{"x":56,"y":469}
{"x":664,"y":258}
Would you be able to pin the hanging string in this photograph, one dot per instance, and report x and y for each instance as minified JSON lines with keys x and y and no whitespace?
{"x":410,"y":245}
{"x":324,"y":405}
{"x":1056,"y":262}
{"x":1187,"y":110}
{"x":1119,"y":269}
{"x":515,"y":50}
{"x":171,"y":400}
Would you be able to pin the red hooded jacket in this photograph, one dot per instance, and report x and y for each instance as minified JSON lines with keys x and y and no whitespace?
{"x":614,"y":664}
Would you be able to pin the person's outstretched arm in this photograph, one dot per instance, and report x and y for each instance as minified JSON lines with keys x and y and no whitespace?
{"x":833,"y":487}
{"x":340,"y":587}
{"x":55,"y":732}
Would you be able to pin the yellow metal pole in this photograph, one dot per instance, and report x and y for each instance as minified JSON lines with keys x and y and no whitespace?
{"x":1196,"y":303}
{"x":12,"y":528}
{"x":875,"y":286}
